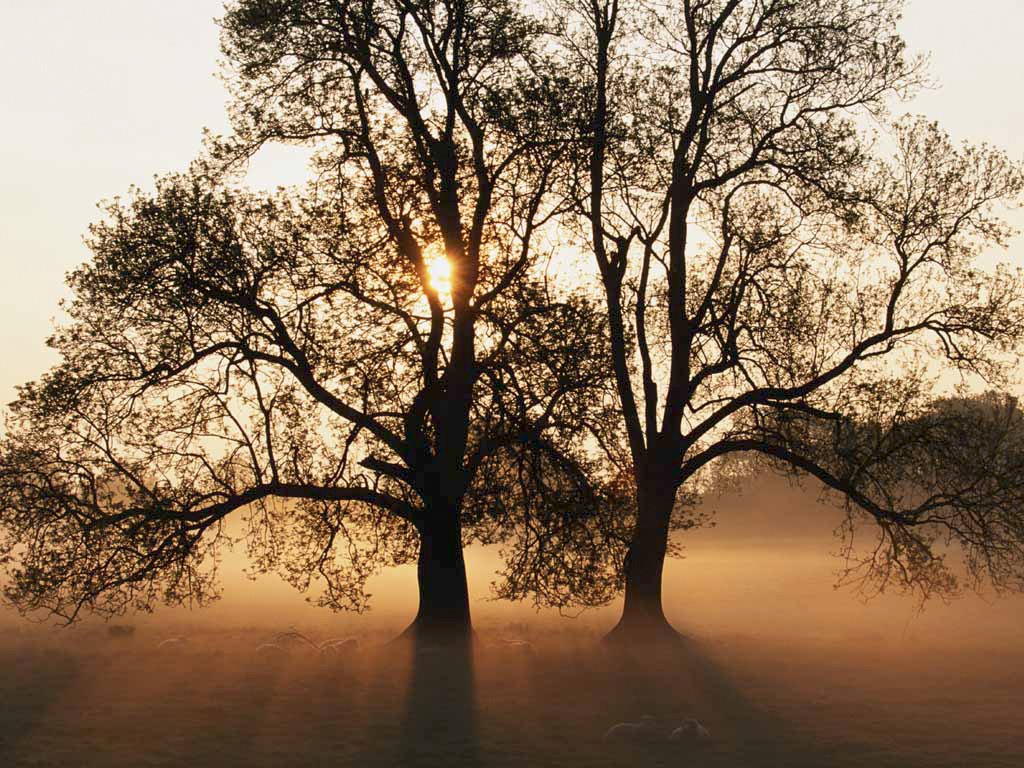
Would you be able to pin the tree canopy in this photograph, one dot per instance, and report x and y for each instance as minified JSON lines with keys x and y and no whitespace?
{"x":774,"y":246}
{"x":381,"y":365}
{"x":371,"y":366}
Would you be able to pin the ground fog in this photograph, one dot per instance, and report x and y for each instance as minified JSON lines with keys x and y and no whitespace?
{"x":781,"y":668}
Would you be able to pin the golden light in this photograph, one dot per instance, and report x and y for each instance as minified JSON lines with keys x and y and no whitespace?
{"x":440,"y":271}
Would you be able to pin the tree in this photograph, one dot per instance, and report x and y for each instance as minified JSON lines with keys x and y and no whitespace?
{"x":939,"y":477}
{"x":773,"y":247}
{"x":358,"y":368}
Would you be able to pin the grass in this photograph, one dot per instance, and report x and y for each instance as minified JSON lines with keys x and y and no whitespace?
{"x":81,"y":699}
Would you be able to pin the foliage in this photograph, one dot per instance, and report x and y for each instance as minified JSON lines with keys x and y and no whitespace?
{"x":289,"y":357}
{"x":774,"y":247}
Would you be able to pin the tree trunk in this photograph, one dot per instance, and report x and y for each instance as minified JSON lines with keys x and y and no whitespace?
{"x":443,"y":614}
{"x":643,"y":618}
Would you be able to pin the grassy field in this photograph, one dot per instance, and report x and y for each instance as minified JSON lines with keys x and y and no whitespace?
{"x":84,"y":698}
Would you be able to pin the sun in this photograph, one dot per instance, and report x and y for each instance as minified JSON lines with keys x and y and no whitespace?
{"x":439,"y":268}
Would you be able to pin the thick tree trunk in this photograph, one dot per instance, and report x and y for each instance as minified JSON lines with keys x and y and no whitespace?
{"x":443,"y":614}
{"x":643,"y":618}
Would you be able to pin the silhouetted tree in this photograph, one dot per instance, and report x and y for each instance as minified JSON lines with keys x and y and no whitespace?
{"x":297,"y":358}
{"x":939,"y":477}
{"x":771,"y":245}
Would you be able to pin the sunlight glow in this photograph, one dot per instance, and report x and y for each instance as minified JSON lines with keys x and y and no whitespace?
{"x":440,"y":270}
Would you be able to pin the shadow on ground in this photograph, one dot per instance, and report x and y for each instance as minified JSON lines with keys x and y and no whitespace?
{"x":215,"y":702}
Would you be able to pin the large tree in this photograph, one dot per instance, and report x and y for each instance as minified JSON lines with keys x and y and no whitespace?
{"x":942,"y":479}
{"x":361,"y":369}
{"x":775,"y":250}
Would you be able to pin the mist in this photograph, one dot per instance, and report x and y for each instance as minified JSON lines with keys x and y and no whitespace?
{"x":402,"y":275}
{"x":767,"y":566}
{"x":781,"y":666}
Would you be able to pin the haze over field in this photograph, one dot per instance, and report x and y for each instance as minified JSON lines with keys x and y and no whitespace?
{"x":785,"y":671}
{"x":767,"y":568}
{"x":496,"y":411}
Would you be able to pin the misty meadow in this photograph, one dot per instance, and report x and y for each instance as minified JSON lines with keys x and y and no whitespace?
{"x":620,"y":384}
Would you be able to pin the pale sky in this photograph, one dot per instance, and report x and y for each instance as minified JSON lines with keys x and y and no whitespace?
{"x":99,"y":95}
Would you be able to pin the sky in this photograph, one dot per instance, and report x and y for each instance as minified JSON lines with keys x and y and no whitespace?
{"x":102,"y":95}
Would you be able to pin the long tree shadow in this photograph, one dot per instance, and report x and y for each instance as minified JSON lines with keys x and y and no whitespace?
{"x":422,"y":698}
{"x":34,"y":687}
{"x":439,"y":725}
{"x":688,"y":681}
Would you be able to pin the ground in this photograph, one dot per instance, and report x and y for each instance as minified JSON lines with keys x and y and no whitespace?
{"x":88,"y":698}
